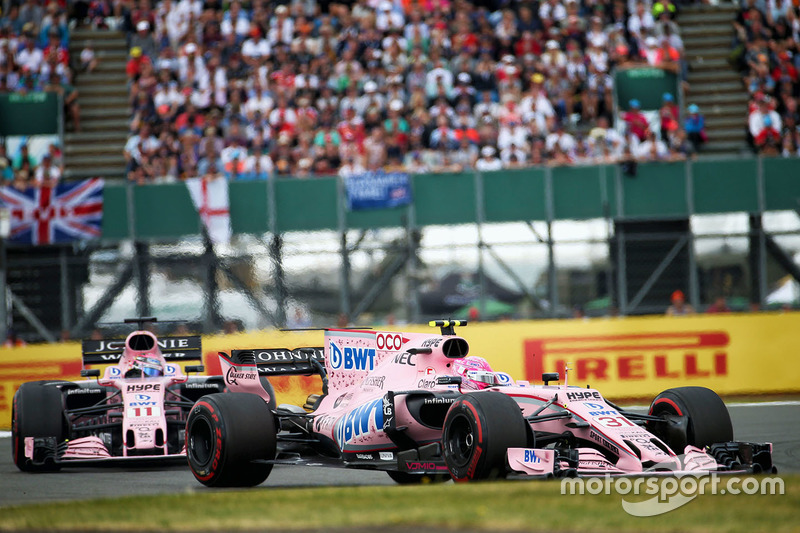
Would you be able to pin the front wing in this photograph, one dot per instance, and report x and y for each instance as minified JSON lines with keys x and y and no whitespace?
{"x":728,"y":458}
{"x":84,"y":451}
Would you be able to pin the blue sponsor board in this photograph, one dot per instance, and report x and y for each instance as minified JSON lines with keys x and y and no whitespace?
{"x":378,"y":190}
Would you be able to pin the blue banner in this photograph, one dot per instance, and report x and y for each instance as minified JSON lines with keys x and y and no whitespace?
{"x":377,"y":190}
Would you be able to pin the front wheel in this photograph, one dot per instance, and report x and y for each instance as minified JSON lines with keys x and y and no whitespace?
{"x":229,"y":437}
{"x":37,"y":411}
{"x":478,"y":430}
{"x":694,"y":416}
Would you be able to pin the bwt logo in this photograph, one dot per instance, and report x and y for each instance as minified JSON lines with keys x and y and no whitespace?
{"x":352,"y":358}
{"x":141,"y":397}
{"x":357,"y":421}
{"x":530,"y":457}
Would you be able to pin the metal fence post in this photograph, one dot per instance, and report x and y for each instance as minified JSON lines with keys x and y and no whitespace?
{"x":762,"y":239}
{"x":3,"y":291}
{"x":276,"y":254}
{"x":64,"y":286}
{"x":622,"y":275}
{"x":344,"y":291}
{"x":694,"y":282}
{"x":479,"y":217}
{"x":412,"y":265}
{"x":552,"y":280}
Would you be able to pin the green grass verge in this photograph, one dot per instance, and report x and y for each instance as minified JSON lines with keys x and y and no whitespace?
{"x":499,"y":506}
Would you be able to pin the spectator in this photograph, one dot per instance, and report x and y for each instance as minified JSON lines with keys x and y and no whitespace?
{"x":719,"y":306}
{"x":488,"y":162}
{"x":765,"y":127}
{"x":679,"y":306}
{"x":88,"y":58}
{"x":695,"y":127}
{"x":669,"y":116}
{"x":652,"y":149}
{"x":24,"y":158}
{"x":635,"y":121}
{"x":6,"y":168}
{"x":133,"y":69}
{"x":47,"y":174}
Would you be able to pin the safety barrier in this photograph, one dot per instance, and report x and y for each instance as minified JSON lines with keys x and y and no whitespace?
{"x":637,"y":357}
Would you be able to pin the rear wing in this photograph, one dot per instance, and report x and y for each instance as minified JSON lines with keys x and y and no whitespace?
{"x":282,"y":361}
{"x":105,"y":352}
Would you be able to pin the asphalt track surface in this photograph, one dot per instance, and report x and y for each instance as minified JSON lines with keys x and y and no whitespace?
{"x":775,"y":422}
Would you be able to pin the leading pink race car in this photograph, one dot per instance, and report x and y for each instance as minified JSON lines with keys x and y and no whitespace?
{"x":420,"y":408}
{"x":135,"y":411}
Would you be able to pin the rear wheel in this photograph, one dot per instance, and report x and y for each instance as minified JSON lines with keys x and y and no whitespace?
{"x":38,"y":411}
{"x":478,"y":430}
{"x":226,"y":435}
{"x":694,"y":416}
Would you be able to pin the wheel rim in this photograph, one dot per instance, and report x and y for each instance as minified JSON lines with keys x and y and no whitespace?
{"x":201,"y":442}
{"x":460,"y":441}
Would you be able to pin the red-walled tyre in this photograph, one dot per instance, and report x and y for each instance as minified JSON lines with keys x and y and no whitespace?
{"x":478,"y":430}
{"x":38,"y":411}
{"x":694,"y":416}
{"x":228,"y":435}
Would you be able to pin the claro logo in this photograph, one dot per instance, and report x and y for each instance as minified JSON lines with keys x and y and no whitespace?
{"x":643,"y":356}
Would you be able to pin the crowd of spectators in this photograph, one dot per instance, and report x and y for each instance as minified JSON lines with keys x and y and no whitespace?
{"x":22,"y":170}
{"x":766,"y":50}
{"x":256,"y":89}
{"x":34,"y":52}
{"x":34,"y":56}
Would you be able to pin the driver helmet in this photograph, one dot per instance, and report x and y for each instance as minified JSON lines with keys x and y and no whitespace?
{"x":144,"y":366}
{"x":471,"y":369}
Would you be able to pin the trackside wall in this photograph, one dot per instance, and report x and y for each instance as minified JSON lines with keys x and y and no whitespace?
{"x":634,"y":357}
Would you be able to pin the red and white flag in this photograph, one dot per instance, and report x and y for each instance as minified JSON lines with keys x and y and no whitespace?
{"x":210,"y":198}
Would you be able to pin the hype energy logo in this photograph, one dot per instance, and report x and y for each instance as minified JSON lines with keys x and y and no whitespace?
{"x":359,"y":421}
{"x":628,"y":358}
{"x":351,"y":358}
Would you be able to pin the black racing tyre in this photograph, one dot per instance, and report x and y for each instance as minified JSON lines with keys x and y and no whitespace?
{"x":404,"y":478}
{"x":225,"y":433}
{"x":694,"y":416}
{"x":37,"y":411}
{"x":478,"y":429}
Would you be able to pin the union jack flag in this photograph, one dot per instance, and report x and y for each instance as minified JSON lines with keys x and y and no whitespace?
{"x":69,"y":212}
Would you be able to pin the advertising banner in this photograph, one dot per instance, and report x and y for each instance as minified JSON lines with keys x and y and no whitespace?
{"x":377,"y":190}
{"x":633,"y":358}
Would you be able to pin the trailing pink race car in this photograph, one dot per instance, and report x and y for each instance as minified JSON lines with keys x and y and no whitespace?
{"x":418,"y":407}
{"x":135,"y":411}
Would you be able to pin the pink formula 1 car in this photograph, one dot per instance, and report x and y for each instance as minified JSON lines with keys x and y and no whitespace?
{"x":418,"y":407}
{"x":135,"y":412}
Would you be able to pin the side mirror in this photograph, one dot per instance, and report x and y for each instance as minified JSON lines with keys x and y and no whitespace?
{"x":448,"y":380}
{"x":547,"y":377}
{"x":195,"y":368}
{"x":93,"y":373}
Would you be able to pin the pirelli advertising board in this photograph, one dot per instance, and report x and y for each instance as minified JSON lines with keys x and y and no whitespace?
{"x":734,"y":354}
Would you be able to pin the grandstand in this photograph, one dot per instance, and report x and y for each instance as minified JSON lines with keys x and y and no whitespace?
{"x":301,"y":88}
